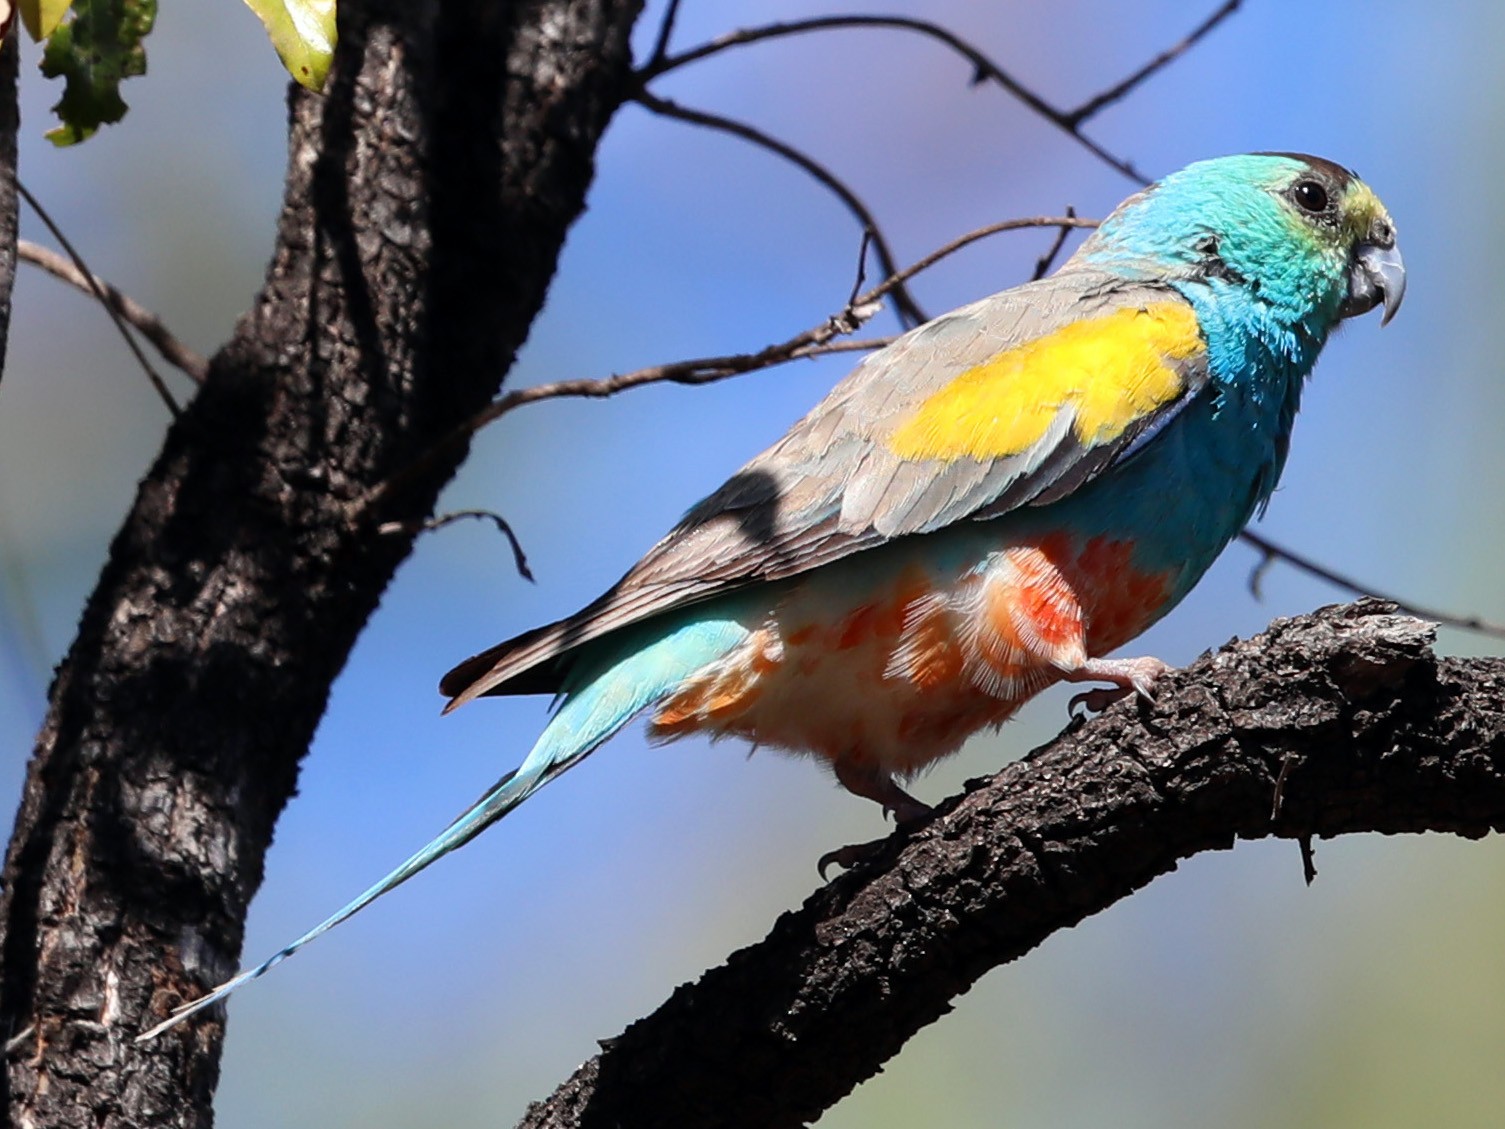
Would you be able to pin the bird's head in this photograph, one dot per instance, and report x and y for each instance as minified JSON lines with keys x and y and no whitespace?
{"x":1299,"y":235}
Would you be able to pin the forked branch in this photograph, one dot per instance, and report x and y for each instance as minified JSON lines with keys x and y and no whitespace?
{"x":984,"y":68}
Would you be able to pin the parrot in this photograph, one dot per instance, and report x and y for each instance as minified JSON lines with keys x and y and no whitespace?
{"x":991,"y":504}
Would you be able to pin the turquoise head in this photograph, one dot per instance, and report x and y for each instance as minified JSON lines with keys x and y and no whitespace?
{"x":1291,"y":241}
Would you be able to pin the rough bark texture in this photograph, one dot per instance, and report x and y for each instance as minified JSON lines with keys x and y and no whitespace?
{"x":428,"y":195}
{"x":9,"y":124}
{"x":1346,"y":715}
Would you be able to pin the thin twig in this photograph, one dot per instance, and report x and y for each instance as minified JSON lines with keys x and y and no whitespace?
{"x":984,"y":69}
{"x":173,"y":351}
{"x":665,"y":30}
{"x":1047,"y":260}
{"x":1269,"y":551}
{"x":412,"y":528}
{"x":948,"y":249}
{"x":861,"y":345}
{"x":98,"y":292}
{"x":1115,"y":93}
{"x":812,"y":342}
{"x":910,"y":313}
{"x":861,"y":277}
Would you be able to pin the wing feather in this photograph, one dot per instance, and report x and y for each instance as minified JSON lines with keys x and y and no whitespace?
{"x":836,"y":485}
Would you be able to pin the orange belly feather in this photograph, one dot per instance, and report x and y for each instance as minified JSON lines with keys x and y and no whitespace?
{"x":906,"y":674}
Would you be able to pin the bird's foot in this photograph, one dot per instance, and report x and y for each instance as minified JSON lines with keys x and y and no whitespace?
{"x":1129,"y":676}
{"x":848,"y":857}
{"x":856,"y":854}
{"x":872,"y":783}
{"x":905,"y":808}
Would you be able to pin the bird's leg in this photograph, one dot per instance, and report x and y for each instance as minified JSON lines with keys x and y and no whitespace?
{"x":871,"y":783}
{"x":1129,"y":676}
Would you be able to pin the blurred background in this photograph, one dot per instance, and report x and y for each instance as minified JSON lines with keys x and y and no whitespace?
{"x":1225,"y":994}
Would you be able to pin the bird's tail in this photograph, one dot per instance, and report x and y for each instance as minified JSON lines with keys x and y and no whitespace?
{"x":633,"y":675}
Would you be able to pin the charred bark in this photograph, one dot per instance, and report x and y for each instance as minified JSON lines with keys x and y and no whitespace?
{"x":428,"y":193}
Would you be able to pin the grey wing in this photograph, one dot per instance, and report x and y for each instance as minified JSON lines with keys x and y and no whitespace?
{"x":832,"y":487}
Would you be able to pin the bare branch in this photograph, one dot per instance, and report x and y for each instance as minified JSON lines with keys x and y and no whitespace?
{"x":1115,"y":93}
{"x":413,"y":528}
{"x":1371,"y":730}
{"x":173,"y":351}
{"x":812,"y":342}
{"x":1047,"y":260}
{"x":984,"y":69}
{"x":868,"y":235}
{"x":99,"y":293}
{"x":665,"y":30}
{"x":1269,"y":551}
{"x":910,"y":313}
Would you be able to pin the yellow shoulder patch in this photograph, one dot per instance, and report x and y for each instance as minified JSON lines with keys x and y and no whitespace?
{"x":1109,"y":370}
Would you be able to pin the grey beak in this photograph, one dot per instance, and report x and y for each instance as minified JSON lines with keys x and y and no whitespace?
{"x":1377,"y":275}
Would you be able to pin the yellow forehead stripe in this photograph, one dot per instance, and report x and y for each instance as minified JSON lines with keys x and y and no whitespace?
{"x":1109,"y":370}
{"x":1361,"y":208}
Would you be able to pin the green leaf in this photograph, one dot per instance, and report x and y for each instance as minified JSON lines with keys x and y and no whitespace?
{"x":92,"y":52}
{"x":41,"y":17}
{"x":303,"y":33}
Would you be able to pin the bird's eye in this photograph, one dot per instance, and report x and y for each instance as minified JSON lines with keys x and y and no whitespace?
{"x":1310,"y":196}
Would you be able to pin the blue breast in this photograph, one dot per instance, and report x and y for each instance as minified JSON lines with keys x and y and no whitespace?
{"x":1189,"y":491}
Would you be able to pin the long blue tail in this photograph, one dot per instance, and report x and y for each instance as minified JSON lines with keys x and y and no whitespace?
{"x":637,"y":672}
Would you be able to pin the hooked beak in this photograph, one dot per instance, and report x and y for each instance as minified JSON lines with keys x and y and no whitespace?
{"x":1376,"y":275}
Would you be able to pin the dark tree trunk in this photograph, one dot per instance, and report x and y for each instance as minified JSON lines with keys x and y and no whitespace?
{"x":428,"y":195}
{"x":9,"y":126}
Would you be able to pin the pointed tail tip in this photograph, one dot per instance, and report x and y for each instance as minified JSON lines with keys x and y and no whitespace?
{"x":184,"y":1011}
{"x":216,"y":995}
{"x":461,"y":695}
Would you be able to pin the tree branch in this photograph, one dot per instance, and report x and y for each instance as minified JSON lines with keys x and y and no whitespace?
{"x":665,"y":31}
{"x":96,"y":286}
{"x":132,"y":312}
{"x":1270,"y":552}
{"x":812,"y":342}
{"x":9,"y":204}
{"x":984,"y":69}
{"x":1371,"y":731}
{"x":503,"y":526}
{"x":910,"y":313}
{"x":1121,"y":90}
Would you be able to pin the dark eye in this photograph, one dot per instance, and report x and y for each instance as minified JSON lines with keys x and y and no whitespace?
{"x":1310,"y":196}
